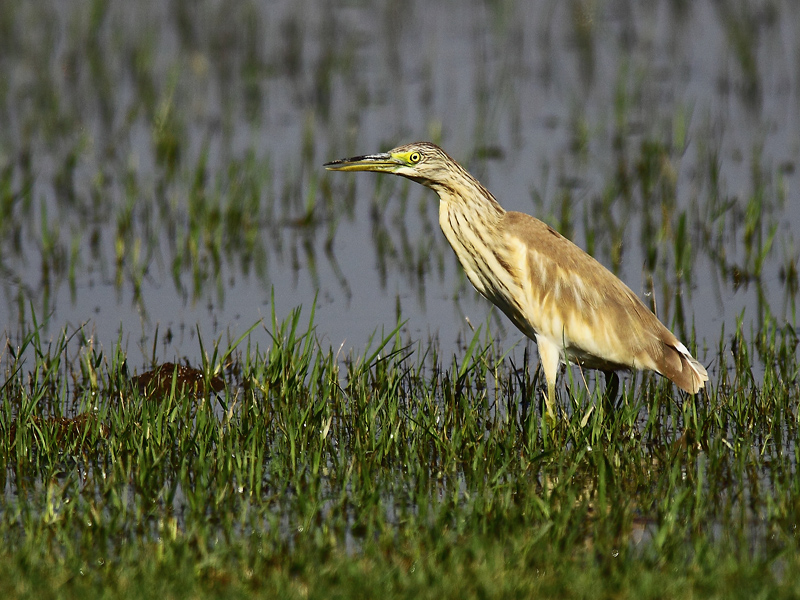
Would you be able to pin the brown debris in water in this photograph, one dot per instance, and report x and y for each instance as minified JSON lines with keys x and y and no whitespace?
{"x":66,"y":430}
{"x":188,"y":380}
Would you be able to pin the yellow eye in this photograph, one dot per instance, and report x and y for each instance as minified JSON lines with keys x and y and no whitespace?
{"x":414,"y":157}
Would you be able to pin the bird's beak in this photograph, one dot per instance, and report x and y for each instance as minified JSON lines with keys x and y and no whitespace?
{"x":382,"y":163}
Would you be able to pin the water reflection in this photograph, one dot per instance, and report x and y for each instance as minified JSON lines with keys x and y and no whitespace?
{"x":158,"y":170}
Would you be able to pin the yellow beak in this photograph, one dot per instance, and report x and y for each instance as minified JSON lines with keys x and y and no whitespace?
{"x":382,"y":163}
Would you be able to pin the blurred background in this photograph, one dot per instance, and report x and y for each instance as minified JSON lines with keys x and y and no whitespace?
{"x":161,"y":178}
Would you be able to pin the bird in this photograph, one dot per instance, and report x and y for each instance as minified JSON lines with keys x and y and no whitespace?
{"x":555,"y":293}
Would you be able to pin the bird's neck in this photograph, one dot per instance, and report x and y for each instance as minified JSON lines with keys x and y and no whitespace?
{"x":470,"y":220}
{"x":471,"y":206}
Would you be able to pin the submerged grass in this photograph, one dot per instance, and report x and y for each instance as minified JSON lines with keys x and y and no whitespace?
{"x":393,"y":472}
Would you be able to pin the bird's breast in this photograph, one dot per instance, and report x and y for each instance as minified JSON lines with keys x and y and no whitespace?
{"x":482,"y":253}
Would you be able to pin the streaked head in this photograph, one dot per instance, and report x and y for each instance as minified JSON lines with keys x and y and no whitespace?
{"x":422,"y":162}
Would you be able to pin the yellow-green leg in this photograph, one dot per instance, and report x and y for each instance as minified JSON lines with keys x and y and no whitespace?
{"x":550,"y":356}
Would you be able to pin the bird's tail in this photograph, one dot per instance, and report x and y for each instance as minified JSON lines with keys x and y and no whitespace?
{"x":692,"y":376}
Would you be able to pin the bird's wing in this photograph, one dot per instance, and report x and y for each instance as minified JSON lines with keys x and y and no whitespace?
{"x":576,"y":302}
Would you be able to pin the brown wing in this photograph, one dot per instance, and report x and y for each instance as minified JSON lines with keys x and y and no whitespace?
{"x":597,"y":317}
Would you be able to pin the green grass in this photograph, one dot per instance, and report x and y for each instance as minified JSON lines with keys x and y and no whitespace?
{"x":396,"y":472}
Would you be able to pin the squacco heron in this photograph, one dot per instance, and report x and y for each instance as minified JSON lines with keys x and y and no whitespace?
{"x":554,"y":292}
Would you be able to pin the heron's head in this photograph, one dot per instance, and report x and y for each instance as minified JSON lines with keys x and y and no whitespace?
{"x":422,"y":162}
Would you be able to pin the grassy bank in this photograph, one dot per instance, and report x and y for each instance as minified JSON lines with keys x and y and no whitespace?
{"x":398,"y":472}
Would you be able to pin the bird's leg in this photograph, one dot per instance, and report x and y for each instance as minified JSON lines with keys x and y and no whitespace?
{"x":612,"y":389}
{"x":550,"y":401}
{"x":549,"y":355}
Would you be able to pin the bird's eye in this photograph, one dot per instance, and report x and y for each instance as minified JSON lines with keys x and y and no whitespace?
{"x":414,"y":158}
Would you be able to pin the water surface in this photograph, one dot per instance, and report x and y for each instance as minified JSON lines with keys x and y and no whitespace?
{"x":160,"y":163}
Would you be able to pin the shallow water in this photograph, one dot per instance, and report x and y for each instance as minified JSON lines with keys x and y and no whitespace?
{"x":160,"y":164}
